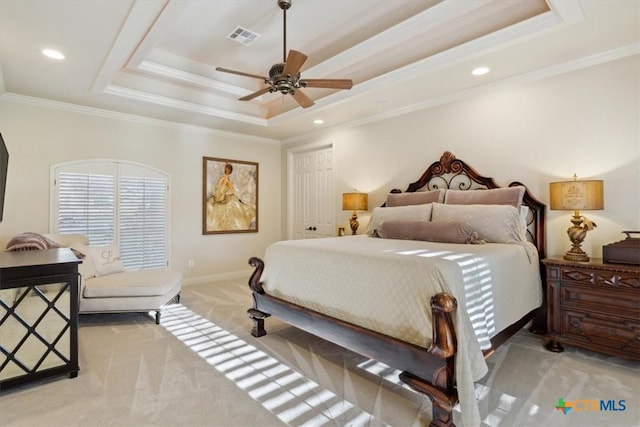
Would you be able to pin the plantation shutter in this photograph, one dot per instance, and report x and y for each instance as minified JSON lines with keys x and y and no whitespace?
{"x":143,"y":221}
{"x":86,"y":205}
{"x":115,"y":202}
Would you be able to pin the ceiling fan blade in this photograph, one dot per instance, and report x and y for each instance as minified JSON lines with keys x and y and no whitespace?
{"x":294,"y":62}
{"x":240,"y":73}
{"x":327,"y":83}
{"x":255,"y":94}
{"x":302,"y":99}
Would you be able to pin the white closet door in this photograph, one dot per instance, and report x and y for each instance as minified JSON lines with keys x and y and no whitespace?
{"x":313,"y":194}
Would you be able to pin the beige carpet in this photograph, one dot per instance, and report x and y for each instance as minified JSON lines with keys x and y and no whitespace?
{"x":201,"y":367}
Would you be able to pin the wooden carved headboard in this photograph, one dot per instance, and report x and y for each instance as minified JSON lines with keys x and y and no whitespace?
{"x":452,"y":173}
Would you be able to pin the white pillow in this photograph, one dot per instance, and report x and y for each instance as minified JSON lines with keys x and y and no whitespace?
{"x":524,"y":213}
{"x":87,"y":269}
{"x":493,"y":223}
{"x":106,"y":259}
{"x":405,"y":213}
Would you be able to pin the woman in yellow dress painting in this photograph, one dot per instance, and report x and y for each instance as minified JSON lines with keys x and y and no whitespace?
{"x":225,"y":211}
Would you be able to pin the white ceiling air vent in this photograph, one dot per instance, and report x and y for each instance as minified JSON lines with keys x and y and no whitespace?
{"x":244,"y":36}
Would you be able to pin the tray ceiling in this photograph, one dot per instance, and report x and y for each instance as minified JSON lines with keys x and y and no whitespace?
{"x":157,"y":58}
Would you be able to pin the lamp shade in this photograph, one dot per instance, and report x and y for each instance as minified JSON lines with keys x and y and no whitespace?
{"x":577,"y":195}
{"x":355,"y":201}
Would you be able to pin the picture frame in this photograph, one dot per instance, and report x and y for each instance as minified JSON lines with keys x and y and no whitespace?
{"x":229,"y":196}
{"x":341,"y":231}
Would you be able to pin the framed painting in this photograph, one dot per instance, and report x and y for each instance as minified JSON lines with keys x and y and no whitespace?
{"x":229,"y":196}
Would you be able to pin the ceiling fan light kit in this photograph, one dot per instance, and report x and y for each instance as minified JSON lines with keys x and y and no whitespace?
{"x":285,"y":78}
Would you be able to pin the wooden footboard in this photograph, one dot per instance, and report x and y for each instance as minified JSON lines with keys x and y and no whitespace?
{"x":429,"y":371}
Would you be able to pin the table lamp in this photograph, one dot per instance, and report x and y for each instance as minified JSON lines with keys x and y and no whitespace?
{"x":577,"y":195}
{"x":354,"y":202}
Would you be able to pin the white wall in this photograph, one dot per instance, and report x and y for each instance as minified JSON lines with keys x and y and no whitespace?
{"x":38,"y":137}
{"x":584,"y":122}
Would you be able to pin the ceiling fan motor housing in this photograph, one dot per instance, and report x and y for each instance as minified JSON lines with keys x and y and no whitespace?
{"x":276,"y":71}
{"x":283,"y":83}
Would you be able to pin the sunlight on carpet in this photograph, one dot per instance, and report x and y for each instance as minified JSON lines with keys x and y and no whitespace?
{"x":293,"y":398}
{"x":507,"y":403}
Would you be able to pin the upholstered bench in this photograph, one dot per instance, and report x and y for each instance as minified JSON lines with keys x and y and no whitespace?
{"x":142,"y":290}
{"x":126,"y":291}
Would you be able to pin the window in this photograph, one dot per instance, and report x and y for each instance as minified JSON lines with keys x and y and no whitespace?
{"x":114,"y":202}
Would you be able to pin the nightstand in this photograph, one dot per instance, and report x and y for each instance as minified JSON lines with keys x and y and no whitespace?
{"x":594,"y":306}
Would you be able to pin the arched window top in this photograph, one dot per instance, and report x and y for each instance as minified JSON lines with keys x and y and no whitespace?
{"x":108,"y":165}
{"x":113,"y":201}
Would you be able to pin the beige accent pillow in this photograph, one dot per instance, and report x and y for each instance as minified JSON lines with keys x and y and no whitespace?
{"x":495,"y":196}
{"x":493,"y":223}
{"x":106,"y":259}
{"x":404,"y":213}
{"x":417,"y":198}
{"x":87,"y":268}
{"x":524,"y":216}
{"x":443,"y":232}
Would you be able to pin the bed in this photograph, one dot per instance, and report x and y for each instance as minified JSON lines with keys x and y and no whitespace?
{"x":432,"y":307}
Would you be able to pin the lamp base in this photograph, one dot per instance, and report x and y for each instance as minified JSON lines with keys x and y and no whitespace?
{"x":353,"y":223}
{"x":577,"y":232}
{"x":578,"y":257}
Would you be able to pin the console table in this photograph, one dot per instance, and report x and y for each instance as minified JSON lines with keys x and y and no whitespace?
{"x":38,"y":315}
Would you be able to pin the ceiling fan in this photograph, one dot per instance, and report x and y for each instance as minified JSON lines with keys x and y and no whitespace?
{"x":285,"y":78}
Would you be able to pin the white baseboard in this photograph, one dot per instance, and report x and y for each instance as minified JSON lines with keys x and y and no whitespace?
{"x":245,"y":274}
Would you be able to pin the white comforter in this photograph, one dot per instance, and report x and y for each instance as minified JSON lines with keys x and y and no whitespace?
{"x":385,"y":285}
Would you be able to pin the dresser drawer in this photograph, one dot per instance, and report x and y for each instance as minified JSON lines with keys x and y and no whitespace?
{"x":593,"y":305}
{"x":614,"y":302}
{"x":621,"y":334}
{"x":601,"y":278}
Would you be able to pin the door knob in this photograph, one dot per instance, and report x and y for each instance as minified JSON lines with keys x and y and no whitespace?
{"x":311,"y":229}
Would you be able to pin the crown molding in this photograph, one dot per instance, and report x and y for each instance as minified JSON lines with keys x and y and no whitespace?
{"x":141,"y":17}
{"x":395,"y":36}
{"x":133,"y":118}
{"x":555,"y":70}
{"x":464,"y":52}
{"x":166,"y":101}
{"x":192,"y":79}
{"x":566,"y":67}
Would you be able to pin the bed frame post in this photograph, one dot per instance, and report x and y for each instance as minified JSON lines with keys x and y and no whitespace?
{"x":254,"y":280}
{"x":258,"y":322}
{"x":443,"y":345}
{"x":254,"y":314}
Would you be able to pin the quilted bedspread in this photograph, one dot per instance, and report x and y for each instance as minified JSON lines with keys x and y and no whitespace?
{"x":385,"y":285}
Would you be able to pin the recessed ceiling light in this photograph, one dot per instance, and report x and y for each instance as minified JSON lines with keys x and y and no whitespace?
{"x":52,"y":53}
{"x":318,"y":122}
{"x":480,"y":71}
